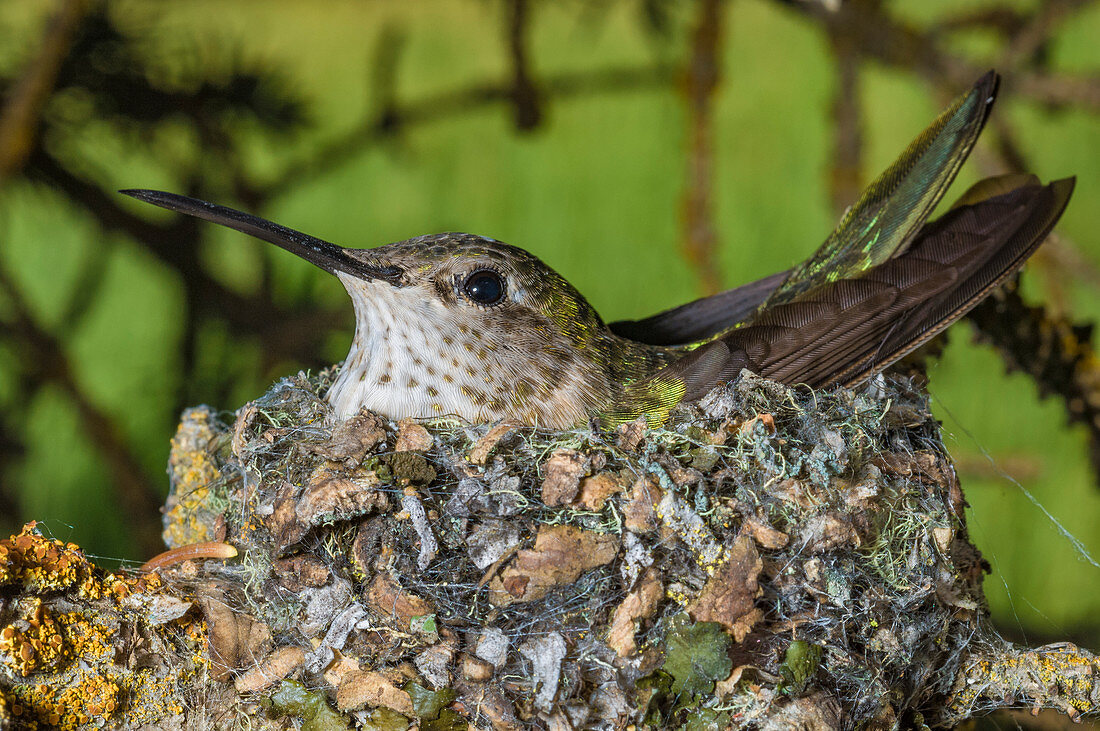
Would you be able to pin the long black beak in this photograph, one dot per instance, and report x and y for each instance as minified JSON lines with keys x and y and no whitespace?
{"x":330,"y":257}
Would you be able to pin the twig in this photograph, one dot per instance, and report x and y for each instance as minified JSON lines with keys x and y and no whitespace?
{"x":22,"y":110}
{"x":1059,"y":676}
{"x":846,"y":181}
{"x":1037,"y":30}
{"x":135,"y":493}
{"x":883,"y":37}
{"x":701,"y":80}
{"x":447,"y":105}
{"x":528,"y":112}
{"x":1057,"y":355}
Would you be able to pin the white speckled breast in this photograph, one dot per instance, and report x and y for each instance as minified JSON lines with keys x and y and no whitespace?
{"x":413,"y":356}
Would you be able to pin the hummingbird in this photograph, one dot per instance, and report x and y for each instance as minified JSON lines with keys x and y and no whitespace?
{"x":455,"y":324}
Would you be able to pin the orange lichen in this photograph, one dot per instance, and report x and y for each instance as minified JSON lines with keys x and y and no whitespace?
{"x":93,"y":699}
{"x":71,"y":659}
{"x":41,"y":563}
{"x":32,"y":643}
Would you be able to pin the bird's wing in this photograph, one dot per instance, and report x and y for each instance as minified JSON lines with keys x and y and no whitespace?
{"x":847,"y":330}
{"x":879,"y":226}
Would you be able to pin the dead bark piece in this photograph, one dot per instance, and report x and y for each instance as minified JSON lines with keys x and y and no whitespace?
{"x":561,"y":554}
{"x":492,"y":646}
{"x":235,"y":638}
{"x":595,"y":490}
{"x":562,"y":476}
{"x":333,"y":496}
{"x":369,"y":688}
{"x":728,"y":597}
{"x":499,"y":435}
{"x":492,"y":540}
{"x":923,"y":465}
{"x":488,"y":700}
{"x":412,"y":437}
{"x":639,"y":604}
{"x":434,"y":663}
{"x":817,"y":712}
{"x":429,"y":546}
{"x":827,"y":531}
{"x":299,"y":572}
{"x":276,"y":666}
{"x":764,"y":535}
{"x":628,"y":436}
{"x":546,"y":654}
{"x":352,"y":439}
{"x":388,"y":598}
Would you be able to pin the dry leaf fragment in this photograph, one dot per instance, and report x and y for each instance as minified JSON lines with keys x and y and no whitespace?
{"x":234,"y":639}
{"x":387,"y":597}
{"x":595,"y":490}
{"x":369,"y":688}
{"x":332,"y":495}
{"x":817,"y":712}
{"x":283,"y":522}
{"x":162,"y":608}
{"x":764,"y":535}
{"x":764,"y":421}
{"x":340,"y":668}
{"x":563,"y":473}
{"x":412,"y":437}
{"x":640,"y":512}
{"x":475,"y":669}
{"x":826,"y":531}
{"x":728,"y":596}
{"x":561,"y":554}
{"x":499,"y":434}
{"x":273,"y":668}
{"x":639,"y":604}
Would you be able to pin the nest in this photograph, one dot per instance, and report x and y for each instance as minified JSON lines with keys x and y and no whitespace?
{"x":771,"y":556}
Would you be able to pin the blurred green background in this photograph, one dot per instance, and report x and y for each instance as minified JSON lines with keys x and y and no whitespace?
{"x":563,"y":127}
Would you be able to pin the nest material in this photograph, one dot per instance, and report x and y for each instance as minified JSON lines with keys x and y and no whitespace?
{"x":771,"y":553}
{"x":773,"y":558}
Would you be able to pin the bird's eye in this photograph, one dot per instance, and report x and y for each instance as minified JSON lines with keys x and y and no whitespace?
{"x":484,"y":287}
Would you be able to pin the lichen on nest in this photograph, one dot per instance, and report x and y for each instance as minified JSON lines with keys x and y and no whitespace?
{"x":79,"y":645}
{"x":769,"y":551}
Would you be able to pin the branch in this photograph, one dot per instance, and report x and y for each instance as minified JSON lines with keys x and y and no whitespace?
{"x":135,"y":493}
{"x":525,"y":95}
{"x":1059,"y":676}
{"x":446,"y":105}
{"x":701,"y":78}
{"x":22,"y":110}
